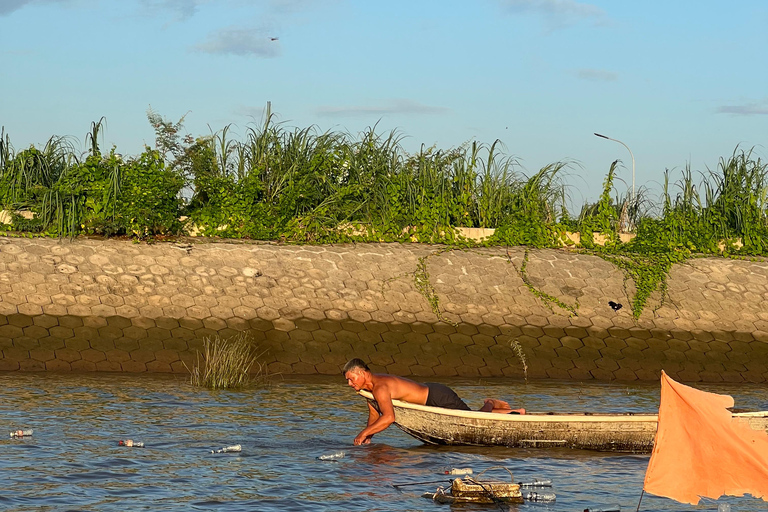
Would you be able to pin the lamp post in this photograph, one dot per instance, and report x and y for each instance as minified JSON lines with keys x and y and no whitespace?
{"x":633,"y":161}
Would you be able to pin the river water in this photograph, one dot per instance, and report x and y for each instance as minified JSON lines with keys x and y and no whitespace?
{"x":73,"y":461}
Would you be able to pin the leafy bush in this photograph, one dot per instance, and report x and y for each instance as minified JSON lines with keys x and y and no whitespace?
{"x":148,"y":202}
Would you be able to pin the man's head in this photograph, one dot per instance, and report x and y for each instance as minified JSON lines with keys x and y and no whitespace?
{"x":356,"y":372}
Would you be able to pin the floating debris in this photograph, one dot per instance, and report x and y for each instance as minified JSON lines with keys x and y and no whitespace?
{"x":543,"y":497}
{"x":332,"y":456}
{"x":229,"y":449}
{"x":131,"y":443}
{"x":458,"y":471}
{"x":21,"y":433}
{"x":471,"y":489}
{"x":536,"y":483}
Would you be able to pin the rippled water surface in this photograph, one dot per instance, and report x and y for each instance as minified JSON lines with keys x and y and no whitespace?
{"x":73,"y":461}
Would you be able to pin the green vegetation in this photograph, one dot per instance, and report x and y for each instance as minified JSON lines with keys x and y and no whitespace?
{"x":546,"y":298}
{"x":227,"y":363}
{"x":303,"y":186}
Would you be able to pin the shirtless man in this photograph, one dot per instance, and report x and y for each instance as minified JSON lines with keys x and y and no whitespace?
{"x":386,"y":388}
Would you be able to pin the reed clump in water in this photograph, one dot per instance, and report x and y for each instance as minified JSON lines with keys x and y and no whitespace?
{"x":228,"y":363}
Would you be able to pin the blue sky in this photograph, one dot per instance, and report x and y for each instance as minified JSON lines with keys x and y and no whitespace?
{"x":679,"y":81}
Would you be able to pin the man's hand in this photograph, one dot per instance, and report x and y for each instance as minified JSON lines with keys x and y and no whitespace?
{"x":361,"y":439}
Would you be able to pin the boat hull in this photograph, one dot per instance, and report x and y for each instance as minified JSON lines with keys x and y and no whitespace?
{"x":621,"y":434}
{"x":628,"y":433}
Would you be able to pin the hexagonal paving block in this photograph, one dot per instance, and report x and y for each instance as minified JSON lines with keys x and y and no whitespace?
{"x":41,"y":354}
{"x":58,"y":365}
{"x":20,"y":320}
{"x":77,"y":344}
{"x":93,"y":355}
{"x":133,"y":366}
{"x":159,"y":367}
{"x":67,"y":354}
{"x":30,"y":310}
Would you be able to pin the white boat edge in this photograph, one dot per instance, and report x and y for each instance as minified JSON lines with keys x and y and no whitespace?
{"x":544,"y":417}
{"x":525,"y":418}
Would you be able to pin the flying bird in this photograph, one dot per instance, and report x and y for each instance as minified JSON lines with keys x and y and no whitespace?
{"x":274,"y":38}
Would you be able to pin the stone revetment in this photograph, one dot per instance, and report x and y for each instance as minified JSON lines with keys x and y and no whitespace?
{"x":418,"y":310}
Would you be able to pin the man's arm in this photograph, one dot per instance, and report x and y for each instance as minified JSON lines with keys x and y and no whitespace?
{"x":385,"y":418}
{"x":373,"y":415}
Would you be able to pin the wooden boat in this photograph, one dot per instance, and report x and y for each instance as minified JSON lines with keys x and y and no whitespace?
{"x":622,"y":432}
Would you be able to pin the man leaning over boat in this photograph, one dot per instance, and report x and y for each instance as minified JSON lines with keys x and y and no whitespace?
{"x":386,"y":388}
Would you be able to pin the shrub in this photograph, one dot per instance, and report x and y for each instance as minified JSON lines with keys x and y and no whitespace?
{"x":148,"y":202}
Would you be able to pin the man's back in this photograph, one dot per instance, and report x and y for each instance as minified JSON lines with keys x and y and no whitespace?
{"x":400,"y":388}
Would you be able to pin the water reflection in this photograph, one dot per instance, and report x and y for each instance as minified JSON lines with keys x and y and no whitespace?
{"x":73,"y":461}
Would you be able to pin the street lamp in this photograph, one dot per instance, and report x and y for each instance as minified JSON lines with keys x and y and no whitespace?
{"x":633,"y":161}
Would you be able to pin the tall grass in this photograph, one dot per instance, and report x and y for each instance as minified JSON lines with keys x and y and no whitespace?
{"x":227,"y":363}
{"x":728,"y":203}
{"x":301,"y":185}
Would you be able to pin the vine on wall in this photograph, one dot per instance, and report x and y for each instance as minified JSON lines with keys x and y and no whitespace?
{"x":549,"y":300}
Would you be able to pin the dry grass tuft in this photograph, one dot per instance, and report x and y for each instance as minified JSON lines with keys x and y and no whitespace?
{"x":228,"y":363}
{"x":520,"y":355}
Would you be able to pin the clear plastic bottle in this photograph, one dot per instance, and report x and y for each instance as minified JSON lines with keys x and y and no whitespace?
{"x":537,"y":483}
{"x":459,"y":471}
{"x":21,"y":433}
{"x":131,"y":443}
{"x":332,"y":456}
{"x":229,"y":449}
{"x":544,"y":497}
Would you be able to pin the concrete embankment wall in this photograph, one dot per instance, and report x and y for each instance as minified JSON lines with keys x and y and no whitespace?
{"x":88,"y":305}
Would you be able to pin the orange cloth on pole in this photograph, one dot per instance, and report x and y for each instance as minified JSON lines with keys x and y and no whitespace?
{"x":701,"y":450}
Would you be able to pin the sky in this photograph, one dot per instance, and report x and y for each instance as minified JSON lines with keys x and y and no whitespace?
{"x":680,"y":82}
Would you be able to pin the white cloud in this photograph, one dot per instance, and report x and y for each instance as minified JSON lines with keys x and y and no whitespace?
{"x":269,"y":16}
{"x":396,"y":106}
{"x":745,"y":109}
{"x":9,"y":6}
{"x":182,"y":9}
{"x":595,"y":75}
{"x":241,"y":41}
{"x":557,"y":13}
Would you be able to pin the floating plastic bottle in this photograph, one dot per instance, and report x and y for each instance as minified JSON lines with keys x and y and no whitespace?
{"x":459,"y":471}
{"x":21,"y":433}
{"x":130,"y":443}
{"x":544,"y":497}
{"x":723,"y":507}
{"x":332,"y":456}
{"x":614,"y":508}
{"x":537,"y":483}
{"x":229,"y":449}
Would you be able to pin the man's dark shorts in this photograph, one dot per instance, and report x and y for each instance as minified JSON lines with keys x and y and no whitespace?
{"x":443,"y":396}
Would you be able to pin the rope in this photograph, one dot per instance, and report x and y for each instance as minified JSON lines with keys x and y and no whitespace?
{"x":641,"y":500}
{"x":499,"y":503}
{"x":511,"y":478}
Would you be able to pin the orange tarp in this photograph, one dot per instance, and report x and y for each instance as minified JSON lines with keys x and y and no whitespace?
{"x":702,"y":451}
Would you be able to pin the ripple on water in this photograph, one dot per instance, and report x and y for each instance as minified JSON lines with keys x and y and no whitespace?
{"x":73,"y":460}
